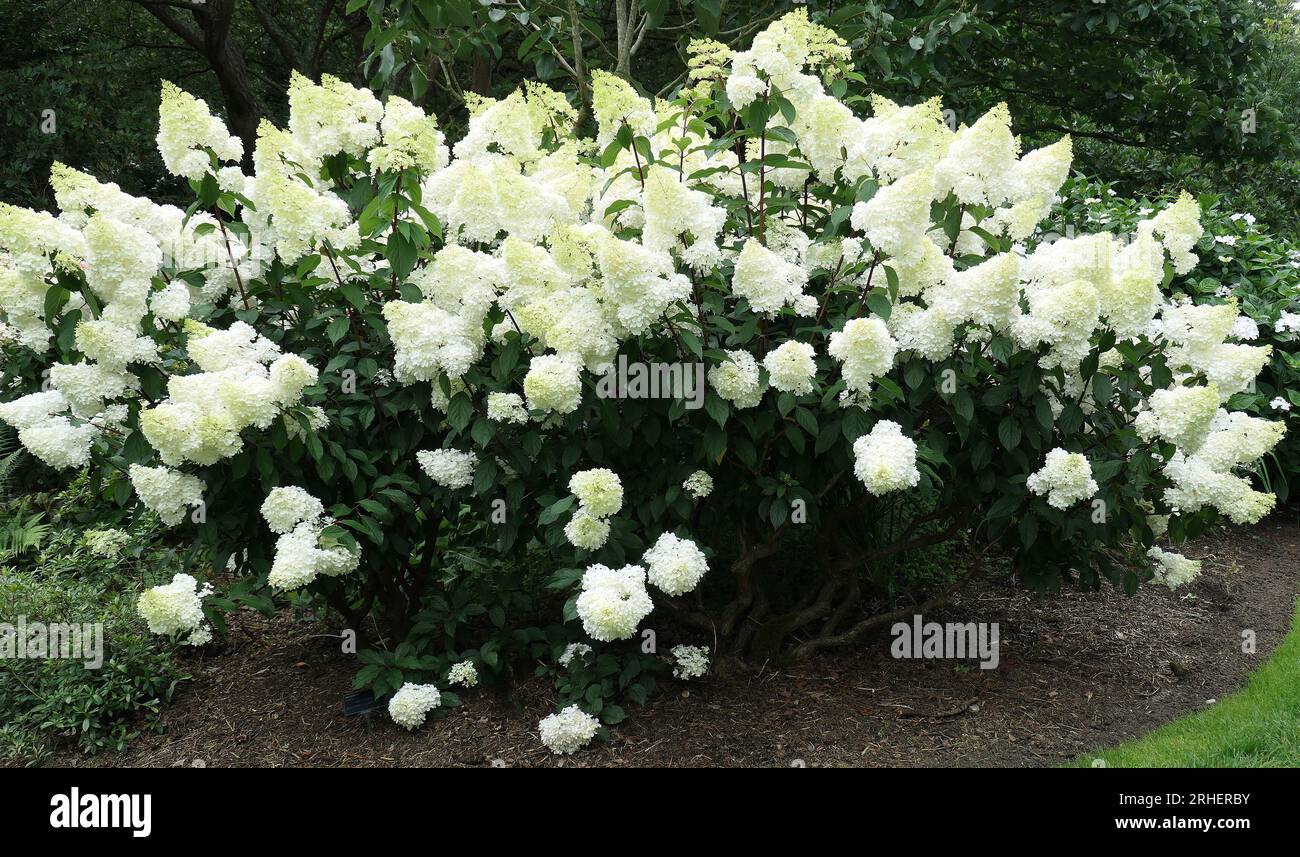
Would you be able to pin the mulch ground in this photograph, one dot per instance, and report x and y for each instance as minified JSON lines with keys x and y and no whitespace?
{"x":1077,"y":671}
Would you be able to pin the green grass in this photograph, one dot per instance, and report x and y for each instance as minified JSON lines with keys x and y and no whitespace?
{"x":1259,"y":727}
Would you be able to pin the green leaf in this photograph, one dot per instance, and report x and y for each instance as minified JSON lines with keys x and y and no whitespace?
{"x":805,"y":418}
{"x":459,"y":411}
{"x":338,"y":328}
{"x":1009,"y":432}
{"x":963,"y":405}
{"x":553,"y":512}
{"x":1004,"y":506}
{"x":878,"y":302}
{"x":717,"y":407}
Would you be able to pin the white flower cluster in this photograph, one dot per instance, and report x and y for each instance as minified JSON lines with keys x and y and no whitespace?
{"x":1198,"y":333}
{"x":204,"y":414}
{"x":1065,"y":477}
{"x":791,"y":367}
{"x":303,"y":551}
{"x":411,"y":139}
{"x":737,"y":379}
{"x":675,"y":565}
{"x":429,"y":341}
{"x":106,"y":544}
{"x":187,"y":132}
{"x":587,"y":531}
{"x":1204,"y":475}
{"x":46,"y":430}
{"x":463,"y":674}
{"x":1180,"y":415}
{"x":599,"y":491}
{"x":412,"y":703}
{"x":574,"y":650}
{"x":885,"y":459}
{"x":613,"y":603}
{"x":176,"y":608}
{"x":167,"y":492}
{"x":1172,"y":569}
{"x":691,"y":661}
{"x":568,"y":731}
{"x":506,"y":408}
{"x":769,"y":282}
{"x":553,"y":383}
{"x":1287,"y":322}
{"x":867,"y":351}
{"x":600,"y":495}
{"x":698,"y":485}
{"x":287,"y":506}
{"x":450,"y":468}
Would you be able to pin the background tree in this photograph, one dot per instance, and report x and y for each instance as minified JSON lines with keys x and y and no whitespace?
{"x":96,"y":67}
{"x":1158,"y":93}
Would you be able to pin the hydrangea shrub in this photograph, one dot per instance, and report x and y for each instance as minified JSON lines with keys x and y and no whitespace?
{"x":1243,"y":261}
{"x":382,"y":351}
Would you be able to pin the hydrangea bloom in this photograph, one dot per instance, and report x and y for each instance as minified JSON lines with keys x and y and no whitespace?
{"x":1180,"y":415}
{"x":569,"y":731}
{"x":587,"y":531}
{"x":176,"y":608}
{"x":56,"y":439}
{"x":1172,"y":569}
{"x":866,"y":349}
{"x":574,"y":650}
{"x":506,"y":408}
{"x":287,"y":506}
{"x":107,"y":544}
{"x":675,"y":565}
{"x":412,"y":703}
{"x":463,"y":674}
{"x":332,"y":117}
{"x":791,"y":367}
{"x":691,"y":661}
{"x":171,"y":303}
{"x":770,"y":282}
{"x":167,"y":492}
{"x":885,"y":459}
{"x":187,"y":132}
{"x":894,"y":220}
{"x":553,"y":384}
{"x":699,"y":485}
{"x":599,"y":491}
{"x":429,"y":340}
{"x":1065,"y":477}
{"x":59,"y":442}
{"x":450,"y":468}
{"x":613,"y":603}
{"x":1179,"y":228}
{"x":737,"y":380}
{"x":1204,"y":477}
{"x":301,"y":555}
{"x":411,"y":139}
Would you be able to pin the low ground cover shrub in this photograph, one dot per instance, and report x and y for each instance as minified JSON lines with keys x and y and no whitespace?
{"x":86,"y":687}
